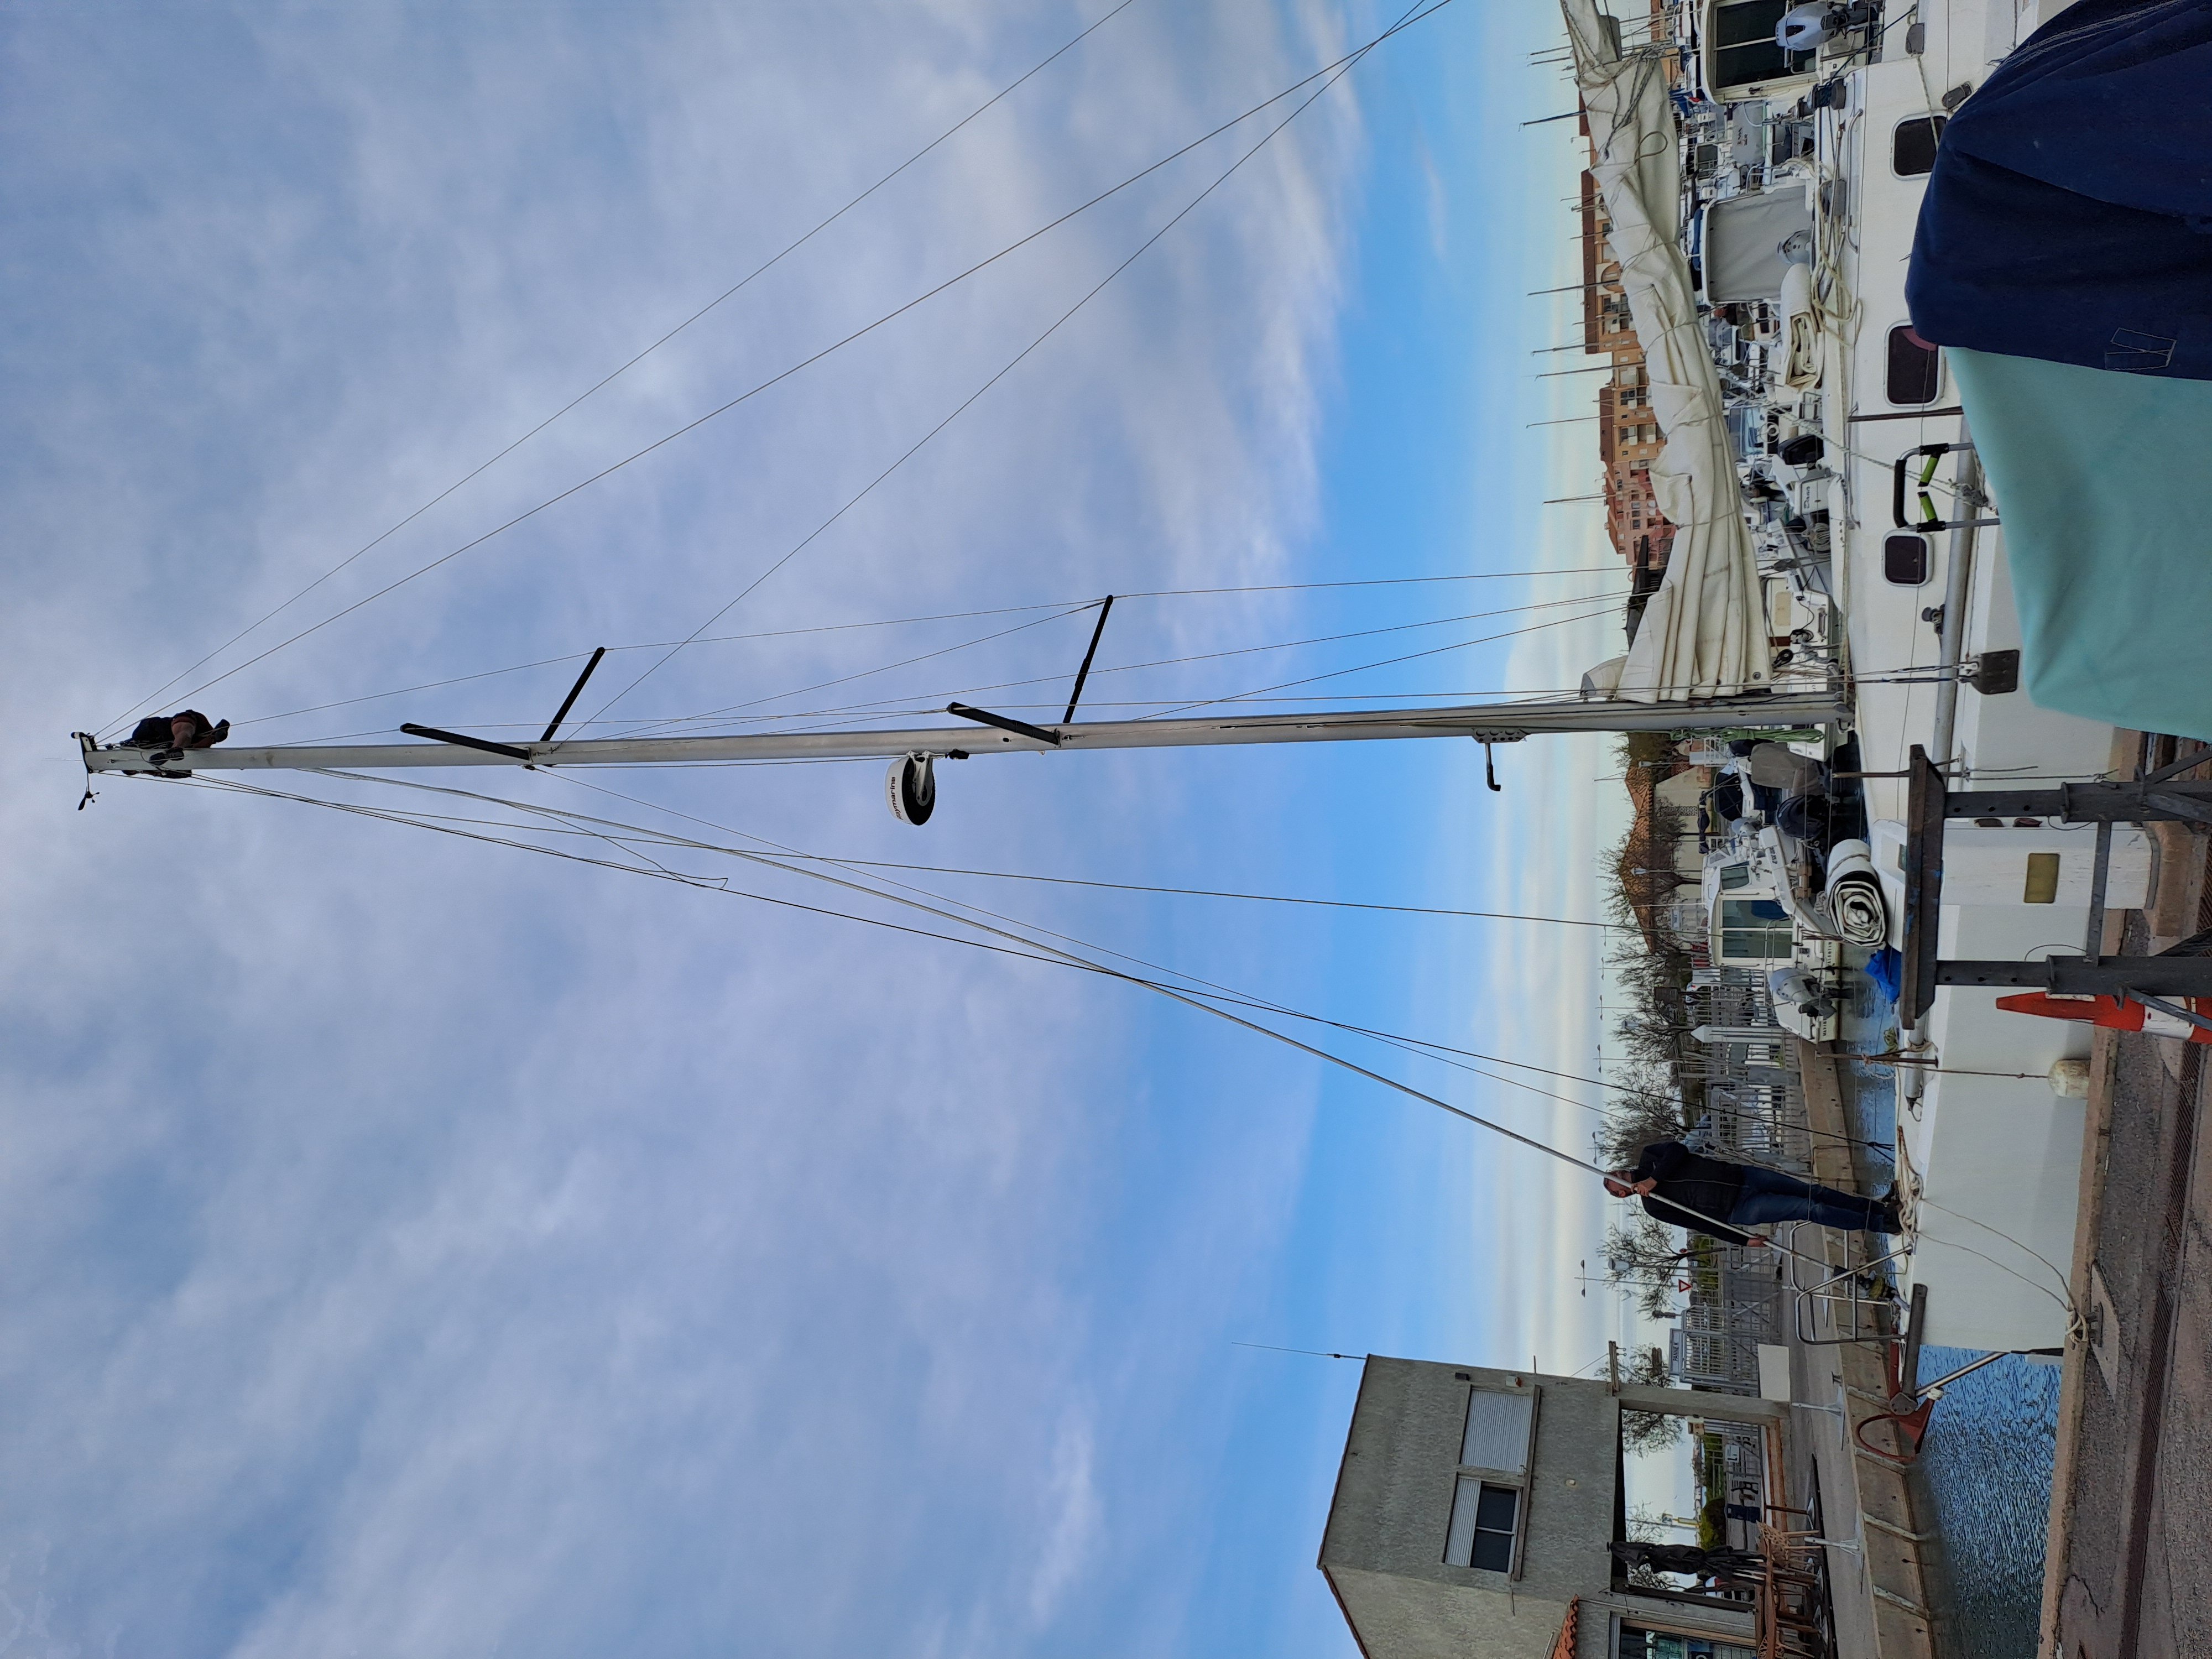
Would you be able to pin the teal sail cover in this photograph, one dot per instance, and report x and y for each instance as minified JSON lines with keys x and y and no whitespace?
{"x":2064,"y":259}
{"x":2103,"y":483}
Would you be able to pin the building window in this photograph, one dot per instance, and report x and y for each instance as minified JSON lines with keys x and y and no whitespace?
{"x":1484,"y":1520}
{"x":1493,"y":1458}
{"x":1636,"y":1642}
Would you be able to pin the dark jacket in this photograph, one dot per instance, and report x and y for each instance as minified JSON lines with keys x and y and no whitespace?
{"x":1691,"y":1188}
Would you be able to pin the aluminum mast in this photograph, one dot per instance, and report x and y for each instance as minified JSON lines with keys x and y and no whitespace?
{"x":1502,"y":722}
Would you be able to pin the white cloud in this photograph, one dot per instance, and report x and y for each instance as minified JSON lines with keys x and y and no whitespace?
{"x":1549,"y":990}
{"x":1071,"y":1528}
{"x":414,"y":1248}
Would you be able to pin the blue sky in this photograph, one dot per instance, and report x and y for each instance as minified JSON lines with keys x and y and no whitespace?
{"x":410,"y":1246}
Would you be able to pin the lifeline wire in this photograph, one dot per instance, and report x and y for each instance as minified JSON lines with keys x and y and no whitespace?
{"x":422,"y":570}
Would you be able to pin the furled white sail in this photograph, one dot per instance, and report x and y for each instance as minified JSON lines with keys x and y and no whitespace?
{"x":1702,"y":634}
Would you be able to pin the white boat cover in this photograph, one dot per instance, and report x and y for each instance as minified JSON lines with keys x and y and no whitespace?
{"x":1743,"y":242}
{"x":1702,"y":632}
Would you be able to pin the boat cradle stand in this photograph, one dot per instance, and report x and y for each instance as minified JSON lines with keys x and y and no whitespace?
{"x":2185,"y":970}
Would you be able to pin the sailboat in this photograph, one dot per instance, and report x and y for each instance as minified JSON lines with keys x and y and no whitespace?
{"x":1700,"y":662}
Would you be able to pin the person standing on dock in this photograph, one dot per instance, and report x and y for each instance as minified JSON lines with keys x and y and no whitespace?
{"x":1721,"y":1200}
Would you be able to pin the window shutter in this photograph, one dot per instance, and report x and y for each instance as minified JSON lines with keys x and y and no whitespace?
{"x":1459,"y":1540}
{"x":1497,"y":1435}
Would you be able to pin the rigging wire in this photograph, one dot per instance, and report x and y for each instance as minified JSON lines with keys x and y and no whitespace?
{"x":641,"y":728}
{"x":1201,"y":892}
{"x":727,"y":710}
{"x":1420,"y":1046}
{"x":895,"y":705}
{"x":948,"y":616}
{"x":831,"y":720}
{"x":1347,"y":64}
{"x":1314,"y":1353}
{"x":1334,"y":70}
{"x":1035,"y":950}
{"x":1371,"y":581}
{"x":731,"y":292}
{"x":872,"y":711}
{"x":1386,"y":662}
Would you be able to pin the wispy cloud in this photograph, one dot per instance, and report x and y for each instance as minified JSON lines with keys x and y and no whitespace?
{"x":411,"y":1248}
{"x":1072,"y":1524}
{"x":1549,"y":991}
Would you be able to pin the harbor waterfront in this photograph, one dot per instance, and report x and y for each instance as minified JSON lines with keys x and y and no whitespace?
{"x":989,"y":963}
{"x":1994,"y":1421}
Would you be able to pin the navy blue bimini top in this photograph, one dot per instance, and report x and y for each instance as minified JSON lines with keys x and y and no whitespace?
{"x":2069,"y":215}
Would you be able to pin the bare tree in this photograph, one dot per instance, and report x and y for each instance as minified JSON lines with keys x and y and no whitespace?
{"x":1642,"y":1258}
{"x":1641,"y":1110}
{"x":1646,"y":1527}
{"x":1648,"y":960}
{"x":1649,"y":1432}
{"x":1640,"y":877}
{"x":1648,"y":1370}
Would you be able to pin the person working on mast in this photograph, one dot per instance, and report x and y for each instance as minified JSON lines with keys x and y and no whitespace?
{"x":170,"y":735}
{"x":1720,"y":1200}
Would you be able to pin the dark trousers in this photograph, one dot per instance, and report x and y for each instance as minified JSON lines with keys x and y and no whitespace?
{"x":1769,"y":1196}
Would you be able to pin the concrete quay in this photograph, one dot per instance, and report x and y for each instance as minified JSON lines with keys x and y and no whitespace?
{"x":1873,"y":1512}
{"x":2124,"y":1571}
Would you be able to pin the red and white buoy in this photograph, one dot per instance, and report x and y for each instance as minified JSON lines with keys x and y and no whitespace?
{"x":2114,"y":1013}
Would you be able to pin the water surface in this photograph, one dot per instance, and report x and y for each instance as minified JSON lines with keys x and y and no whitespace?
{"x":1989,"y":1454}
{"x":1993,"y":1440}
